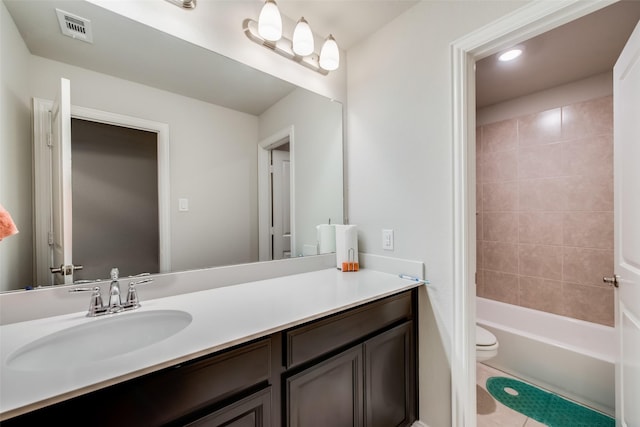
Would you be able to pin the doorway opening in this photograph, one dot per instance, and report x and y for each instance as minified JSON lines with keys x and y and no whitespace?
{"x":281,"y":202}
{"x":114,"y":199}
{"x":526,"y":22}
{"x":276,"y":196}
{"x":43,"y":188}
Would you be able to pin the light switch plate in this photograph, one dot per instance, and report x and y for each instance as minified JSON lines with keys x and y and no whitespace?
{"x":183,"y":205}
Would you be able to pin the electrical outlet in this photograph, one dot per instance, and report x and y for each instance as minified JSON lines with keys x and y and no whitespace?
{"x":387,"y":240}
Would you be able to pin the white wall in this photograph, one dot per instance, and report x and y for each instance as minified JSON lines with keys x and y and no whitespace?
{"x":400,"y":161}
{"x":16,"y":252}
{"x":317,"y":158}
{"x":212,"y":161}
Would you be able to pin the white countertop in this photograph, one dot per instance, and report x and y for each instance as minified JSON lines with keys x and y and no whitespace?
{"x":222,"y":317}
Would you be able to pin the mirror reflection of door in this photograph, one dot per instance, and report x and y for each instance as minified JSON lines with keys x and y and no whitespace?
{"x":281,"y":202}
{"x":115,"y":199}
{"x":60,"y":217}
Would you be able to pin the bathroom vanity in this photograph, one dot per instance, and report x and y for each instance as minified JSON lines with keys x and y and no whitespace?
{"x":345,"y":355}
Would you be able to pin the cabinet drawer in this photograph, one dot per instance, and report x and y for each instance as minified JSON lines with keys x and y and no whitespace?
{"x":307,"y":342}
{"x":162,"y":397}
{"x":195,"y":385}
{"x":252,"y":411}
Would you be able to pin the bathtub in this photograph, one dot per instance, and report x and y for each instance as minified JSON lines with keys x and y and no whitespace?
{"x":573,"y":358}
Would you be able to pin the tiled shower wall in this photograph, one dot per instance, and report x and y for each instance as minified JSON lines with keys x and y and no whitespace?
{"x":545,"y":210}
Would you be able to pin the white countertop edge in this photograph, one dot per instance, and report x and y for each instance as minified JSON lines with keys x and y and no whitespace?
{"x":294,"y":300}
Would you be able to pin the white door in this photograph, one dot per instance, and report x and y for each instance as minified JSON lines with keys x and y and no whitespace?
{"x":60,"y":240}
{"x":281,"y":182}
{"x":626,"y":94}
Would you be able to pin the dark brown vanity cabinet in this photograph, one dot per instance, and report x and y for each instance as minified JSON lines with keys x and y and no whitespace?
{"x":371,"y":384}
{"x":367,"y":377}
{"x":353,"y":368}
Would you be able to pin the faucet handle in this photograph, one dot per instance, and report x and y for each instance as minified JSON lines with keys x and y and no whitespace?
{"x":132,"y":294}
{"x":132,"y":297}
{"x":96,"y":305}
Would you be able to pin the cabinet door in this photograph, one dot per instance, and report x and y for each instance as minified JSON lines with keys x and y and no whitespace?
{"x":327,"y":394}
{"x":389,"y":378}
{"x":252,"y":411}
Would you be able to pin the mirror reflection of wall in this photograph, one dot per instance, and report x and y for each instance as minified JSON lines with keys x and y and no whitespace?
{"x":213,"y":153}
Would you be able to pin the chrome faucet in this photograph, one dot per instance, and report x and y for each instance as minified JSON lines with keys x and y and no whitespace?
{"x":115,"y":303}
{"x":97,"y":308}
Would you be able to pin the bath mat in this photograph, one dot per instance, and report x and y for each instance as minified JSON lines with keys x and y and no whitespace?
{"x":547,"y":408}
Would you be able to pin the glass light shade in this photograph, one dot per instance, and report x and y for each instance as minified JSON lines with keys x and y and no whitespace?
{"x":303,"y":38}
{"x":330,"y":55}
{"x":270,"y":22}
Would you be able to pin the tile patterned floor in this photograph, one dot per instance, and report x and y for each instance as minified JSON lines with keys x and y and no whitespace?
{"x":492,"y":413}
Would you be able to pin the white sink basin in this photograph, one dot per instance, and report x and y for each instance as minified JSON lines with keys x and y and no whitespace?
{"x":100,"y":339}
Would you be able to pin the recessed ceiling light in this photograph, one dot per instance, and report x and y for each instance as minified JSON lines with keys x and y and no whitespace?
{"x":510,"y":55}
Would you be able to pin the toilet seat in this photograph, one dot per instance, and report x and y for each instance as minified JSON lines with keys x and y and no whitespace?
{"x":486,"y":344}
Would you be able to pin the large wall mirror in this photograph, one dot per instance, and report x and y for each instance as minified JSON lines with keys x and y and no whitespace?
{"x":212,"y":124}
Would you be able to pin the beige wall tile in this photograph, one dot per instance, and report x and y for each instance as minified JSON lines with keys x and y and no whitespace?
{"x":588,"y":156}
{"x":588,"y":229}
{"x":545,"y":194}
{"x":540,"y":261}
{"x":500,"y":196}
{"x":587,"y":266}
{"x":500,"y":286}
{"x":500,"y":136}
{"x":562,"y":193}
{"x":480,"y":282}
{"x":540,"y":128}
{"x":499,"y":256}
{"x":540,"y":161}
{"x":589,"y":193}
{"x":500,"y":226}
{"x":479,"y":226}
{"x":543,"y":228}
{"x":541,"y":294}
{"x":591,"y":303}
{"x":587,"y":118}
{"x":499,"y":166}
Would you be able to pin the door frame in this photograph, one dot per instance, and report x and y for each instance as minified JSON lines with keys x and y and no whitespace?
{"x":264,"y":190}
{"x":42,"y":174}
{"x":530,"y":20}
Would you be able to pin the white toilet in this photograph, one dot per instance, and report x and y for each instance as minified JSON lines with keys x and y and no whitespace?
{"x":486,"y":344}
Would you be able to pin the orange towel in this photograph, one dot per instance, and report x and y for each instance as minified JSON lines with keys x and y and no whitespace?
{"x":7,"y":226}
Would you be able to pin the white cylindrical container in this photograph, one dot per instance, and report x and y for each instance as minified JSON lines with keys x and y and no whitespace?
{"x":326,"y":238}
{"x":346,"y":244}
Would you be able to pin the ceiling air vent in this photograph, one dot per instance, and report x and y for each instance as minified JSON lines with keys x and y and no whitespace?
{"x":74,"y":26}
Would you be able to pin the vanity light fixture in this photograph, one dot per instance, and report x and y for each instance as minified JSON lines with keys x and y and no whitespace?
{"x":510,"y":54}
{"x":302,"y":38}
{"x":186,"y":4}
{"x":270,"y":22}
{"x":267,"y":31}
{"x":330,"y":55}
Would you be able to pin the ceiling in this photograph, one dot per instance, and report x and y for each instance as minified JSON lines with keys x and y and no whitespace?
{"x":580,"y":49}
